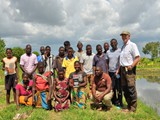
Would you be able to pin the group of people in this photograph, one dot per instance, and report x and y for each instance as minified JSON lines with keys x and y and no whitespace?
{"x":72,"y":77}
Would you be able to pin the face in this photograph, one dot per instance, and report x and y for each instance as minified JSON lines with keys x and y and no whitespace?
{"x":41,"y":68}
{"x":9,"y":53}
{"x":67,"y":46}
{"x":79,"y":46}
{"x":77,"y":66}
{"x":61,"y":75}
{"x":48,"y":50}
{"x":98,"y":71}
{"x":114,"y":44}
{"x":61,"y":51}
{"x":99,"y":49}
{"x":125,"y":38}
{"x":25,"y":79}
{"x":89,"y":50}
{"x":70,"y":52}
{"x":28,"y":49}
{"x":42,"y":50}
{"x":106,"y":46}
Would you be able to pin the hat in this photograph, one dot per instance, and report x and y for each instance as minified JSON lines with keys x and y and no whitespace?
{"x":125,"y":33}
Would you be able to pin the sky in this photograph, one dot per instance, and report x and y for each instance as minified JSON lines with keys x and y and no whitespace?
{"x":51,"y":22}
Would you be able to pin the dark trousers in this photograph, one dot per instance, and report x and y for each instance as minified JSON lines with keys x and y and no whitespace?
{"x":129,"y":87}
{"x":116,"y":86}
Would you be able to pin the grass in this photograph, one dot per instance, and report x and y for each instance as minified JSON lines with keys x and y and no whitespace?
{"x":8,"y":112}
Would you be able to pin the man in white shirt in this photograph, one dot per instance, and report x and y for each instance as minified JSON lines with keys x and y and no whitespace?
{"x":129,"y":58}
{"x":86,"y":61}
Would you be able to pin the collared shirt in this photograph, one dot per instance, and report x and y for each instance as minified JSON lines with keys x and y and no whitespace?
{"x":100,"y":61}
{"x":49,"y":63}
{"x":87,"y":61}
{"x":28,"y":61}
{"x":69,"y":65}
{"x":58,"y":62}
{"x":113,"y":57}
{"x":128,"y":53}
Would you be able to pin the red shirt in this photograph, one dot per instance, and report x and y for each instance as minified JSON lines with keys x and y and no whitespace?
{"x":41,"y":83}
{"x":22,"y":90}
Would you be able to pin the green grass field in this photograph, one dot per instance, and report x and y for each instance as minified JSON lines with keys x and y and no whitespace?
{"x":9,"y":112}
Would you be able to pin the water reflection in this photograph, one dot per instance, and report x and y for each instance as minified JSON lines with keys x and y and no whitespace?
{"x":149,"y":91}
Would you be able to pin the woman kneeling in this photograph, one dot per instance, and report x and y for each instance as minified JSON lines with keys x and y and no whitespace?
{"x":24,"y":91}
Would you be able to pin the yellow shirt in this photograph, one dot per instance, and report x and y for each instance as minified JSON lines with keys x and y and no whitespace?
{"x":69,"y":65}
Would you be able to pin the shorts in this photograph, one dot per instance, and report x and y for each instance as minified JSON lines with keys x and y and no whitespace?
{"x":10,"y":81}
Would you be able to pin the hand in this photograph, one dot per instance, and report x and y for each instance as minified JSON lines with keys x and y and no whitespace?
{"x":25,"y":98}
{"x":130,"y":67}
{"x":100,"y":98}
{"x":59,"y":100}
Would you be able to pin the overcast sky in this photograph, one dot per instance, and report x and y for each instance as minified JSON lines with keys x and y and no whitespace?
{"x":51,"y":22}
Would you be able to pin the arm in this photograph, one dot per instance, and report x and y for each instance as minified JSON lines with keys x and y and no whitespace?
{"x":108,"y":86}
{"x":17,"y":99}
{"x":71,"y":82}
{"x":33,"y":91}
{"x":50,"y":87}
{"x":16,"y":72}
{"x":34,"y":69}
{"x":54,"y":92}
{"x":93,"y":89}
{"x":23,"y":69}
{"x":135,"y":62}
{"x":84,"y":83}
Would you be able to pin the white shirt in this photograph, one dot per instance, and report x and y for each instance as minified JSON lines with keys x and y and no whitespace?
{"x":113,"y":57}
{"x":87,"y":61}
{"x":128,"y":53}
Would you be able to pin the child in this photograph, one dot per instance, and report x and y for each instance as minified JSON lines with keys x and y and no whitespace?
{"x":11,"y":74}
{"x":61,"y":92}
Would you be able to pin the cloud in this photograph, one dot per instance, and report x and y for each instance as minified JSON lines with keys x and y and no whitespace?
{"x":51,"y":22}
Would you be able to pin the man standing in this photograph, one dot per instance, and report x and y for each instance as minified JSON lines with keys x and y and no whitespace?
{"x":28,"y":61}
{"x":40,"y":58}
{"x":59,"y":59}
{"x":86,"y":65}
{"x":129,"y":58}
{"x":68,"y":62}
{"x":102,"y":88}
{"x":112,"y":57}
{"x":48,"y":59}
{"x":99,"y":59}
{"x":80,"y":50}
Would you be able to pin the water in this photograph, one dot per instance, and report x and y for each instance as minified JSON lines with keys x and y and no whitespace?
{"x":149,"y":91}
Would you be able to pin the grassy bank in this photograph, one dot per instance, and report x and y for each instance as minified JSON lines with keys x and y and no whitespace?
{"x":8,"y":112}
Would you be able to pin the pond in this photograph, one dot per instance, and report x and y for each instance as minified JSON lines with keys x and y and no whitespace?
{"x":148,"y":89}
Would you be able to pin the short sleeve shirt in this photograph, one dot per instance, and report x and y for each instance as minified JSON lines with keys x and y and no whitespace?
{"x":87,"y":61}
{"x":69,"y":65}
{"x":113,"y":57}
{"x":100,"y":61}
{"x":128,"y":54}
{"x":10,"y":64}
{"x":77,"y":77}
{"x":28,"y":61}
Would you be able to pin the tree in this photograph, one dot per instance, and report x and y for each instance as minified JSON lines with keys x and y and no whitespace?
{"x":2,"y":48}
{"x":18,"y":51}
{"x":151,"y":48}
{"x":36,"y":53}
